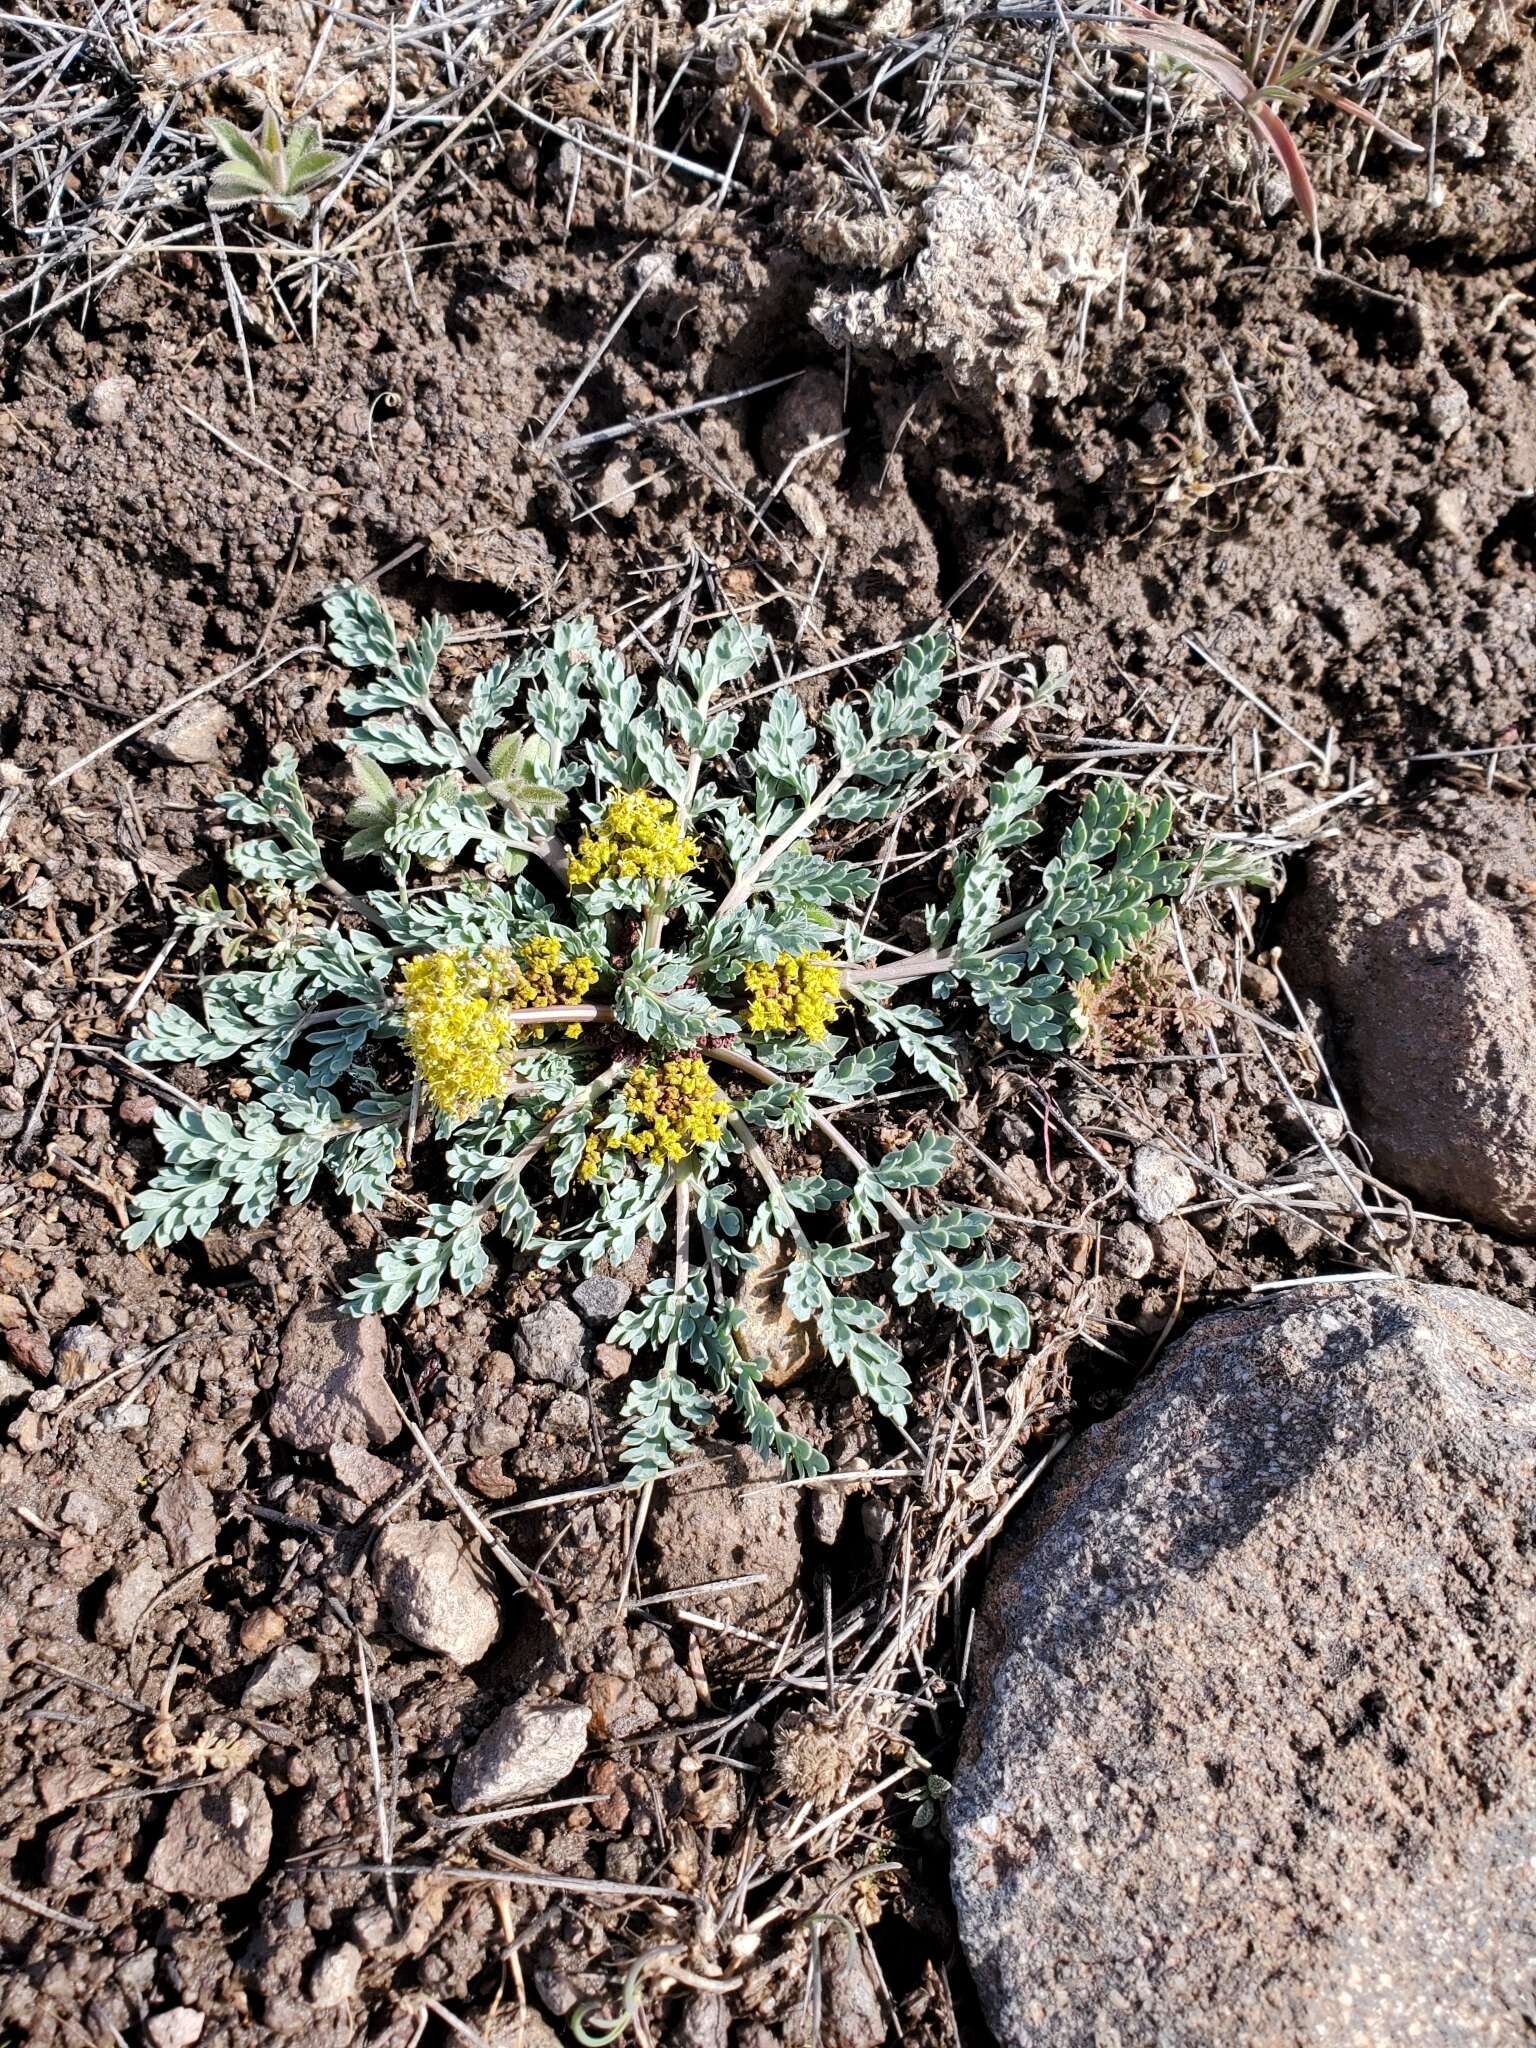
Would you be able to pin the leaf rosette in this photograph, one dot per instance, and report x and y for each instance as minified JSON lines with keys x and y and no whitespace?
{"x":627,"y":978}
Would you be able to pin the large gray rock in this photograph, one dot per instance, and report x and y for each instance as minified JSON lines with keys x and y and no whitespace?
{"x":1432,"y":1001}
{"x":1250,"y":1756}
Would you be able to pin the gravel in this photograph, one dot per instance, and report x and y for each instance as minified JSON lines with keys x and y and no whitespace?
{"x":524,"y":1753}
{"x":437,"y":1590}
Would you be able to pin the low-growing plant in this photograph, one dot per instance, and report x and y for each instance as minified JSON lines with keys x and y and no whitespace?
{"x":275,"y":172}
{"x":667,"y":979}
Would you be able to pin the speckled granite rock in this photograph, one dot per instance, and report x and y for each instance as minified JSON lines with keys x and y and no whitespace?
{"x":1251,"y":1753}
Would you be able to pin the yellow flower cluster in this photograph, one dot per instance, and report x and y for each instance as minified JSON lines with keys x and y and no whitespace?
{"x":456,"y":1013}
{"x":675,"y":1108}
{"x":541,"y":976}
{"x":798,"y":992}
{"x":456,"y":1029}
{"x":639,"y":836}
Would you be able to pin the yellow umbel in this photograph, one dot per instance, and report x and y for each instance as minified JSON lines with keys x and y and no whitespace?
{"x":456,"y":1029}
{"x":542,"y":976}
{"x":674,"y":1108}
{"x":798,"y":992}
{"x":456,"y":1011}
{"x":639,"y":836}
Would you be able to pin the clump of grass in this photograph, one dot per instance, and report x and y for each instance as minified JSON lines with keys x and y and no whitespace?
{"x":1268,"y":71}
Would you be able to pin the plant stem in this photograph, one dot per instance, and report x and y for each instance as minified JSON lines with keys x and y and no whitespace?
{"x":683,"y":1191}
{"x":562,"y":1013}
{"x":655,"y":923}
{"x":744,"y":884}
{"x":765,"y":1173}
{"x":745,"y":1064}
{"x":583,"y":1099}
{"x":917,"y":967}
{"x":348,"y":901}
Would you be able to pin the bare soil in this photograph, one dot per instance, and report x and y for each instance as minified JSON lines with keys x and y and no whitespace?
{"x":1322,"y":478}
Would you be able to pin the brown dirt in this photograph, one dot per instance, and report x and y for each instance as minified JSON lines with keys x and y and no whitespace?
{"x":1379,"y":585}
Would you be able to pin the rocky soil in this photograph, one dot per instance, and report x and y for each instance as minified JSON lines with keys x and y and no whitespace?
{"x":347,"y":1694}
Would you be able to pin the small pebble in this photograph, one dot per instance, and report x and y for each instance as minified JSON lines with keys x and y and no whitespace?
{"x":1245,"y":1165}
{"x":333,"y":1980}
{"x":602,"y":1296}
{"x":109,"y":401}
{"x":191,"y":739}
{"x":123,"y":1415}
{"x":1318,"y":1123}
{"x":260,"y":1630}
{"x":1448,"y":412}
{"x":1261,"y":985}
{"x":178,"y":2027}
{"x":1160,"y":1183}
{"x":1128,"y":1250}
{"x":524,"y":1753}
{"x":436,"y":1589}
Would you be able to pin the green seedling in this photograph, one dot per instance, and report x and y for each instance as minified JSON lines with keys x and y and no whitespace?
{"x":265,"y":169}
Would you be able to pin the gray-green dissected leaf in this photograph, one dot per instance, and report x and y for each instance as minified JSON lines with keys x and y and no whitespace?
{"x":415,"y":1268}
{"x":855,"y":1077}
{"x":785,"y":741}
{"x":291,"y":855}
{"x":922,"y":1163}
{"x":663,"y":1415}
{"x":919,"y":1034}
{"x":493,"y":693}
{"x":362,"y":634}
{"x":655,"y":1000}
{"x":807,"y":877}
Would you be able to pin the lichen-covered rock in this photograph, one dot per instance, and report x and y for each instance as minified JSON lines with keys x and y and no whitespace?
{"x":1257,"y":1692}
{"x":601,"y":1297}
{"x":288,"y":1674}
{"x":1002,"y":236}
{"x":1431,"y":999}
{"x":1160,"y":1183}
